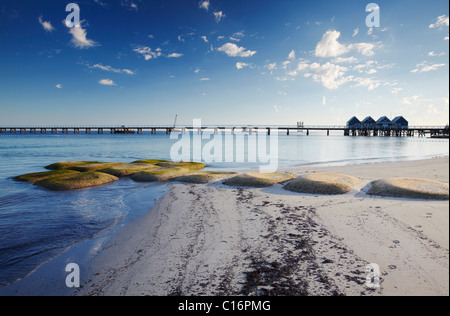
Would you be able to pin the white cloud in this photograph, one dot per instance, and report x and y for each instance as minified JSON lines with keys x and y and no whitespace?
{"x":79,"y":38}
{"x":433,"y":54}
{"x":46,"y":25}
{"x":425,"y":67}
{"x":204,"y":38}
{"x":291,"y":55}
{"x":285,"y":64}
{"x":107,"y":82}
{"x":271,"y":67}
{"x":100,"y":3}
{"x":147,"y":52}
{"x":324,"y":100}
{"x":130,"y":5}
{"x":233,"y":50}
{"x":411,"y":100}
{"x":371,"y":84}
{"x":111,"y":69}
{"x":283,"y":79}
{"x":59,"y":86}
{"x":239,"y":34}
{"x":204,"y":5}
{"x":240,"y":65}
{"x":363,"y":48}
{"x":355,"y":32}
{"x":441,"y":21}
{"x":205,"y":79}
{"x":329,"y":46}
{"x":277,"y":108}
{"x":174,"y":55}
{"x":128,"y":71}
{"x":331,"y":76}
{"x":396,"y":90}
{"x":350,"y":60}
{"x":219,"y":16}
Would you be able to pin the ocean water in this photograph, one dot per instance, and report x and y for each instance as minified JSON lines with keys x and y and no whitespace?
{"x":38,"y":225}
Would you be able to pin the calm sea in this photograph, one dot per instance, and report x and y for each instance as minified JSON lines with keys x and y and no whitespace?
{"x":37,"y":225}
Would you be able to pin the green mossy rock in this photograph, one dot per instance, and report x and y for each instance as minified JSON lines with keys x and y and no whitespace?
{"x":258,"y":180}
{"x":162,"y":174}
{"x":151,"y":161}
{"x":185,"y":165}
{"x":323,"y":183}
{"x":69,"y":164}
{"x":77,"y":181}
{"x":38,"y":176}
{"x":204,"y":177}
{"x":96,"y":166}
{"x":128,"y":169}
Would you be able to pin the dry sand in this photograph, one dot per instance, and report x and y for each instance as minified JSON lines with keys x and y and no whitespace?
{"x":217,"y":240}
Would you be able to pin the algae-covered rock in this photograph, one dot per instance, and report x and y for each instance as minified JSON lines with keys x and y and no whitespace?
{"x":410,"y":188}
{"x":162,"y":174}
{"x":323,"y":183}
{"x":204,"y":177}
{"x":69,"y":164}
{"x":185,"y":165}
{"x":96,"y":166}
{"x":151,"y":161}
{"x":128,"y":169}
{"x":38,"y":176}
{"x":258,"y":180}
{"x":77,"y":181}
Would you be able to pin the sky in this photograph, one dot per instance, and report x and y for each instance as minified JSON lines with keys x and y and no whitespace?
{"x":139,"y":62}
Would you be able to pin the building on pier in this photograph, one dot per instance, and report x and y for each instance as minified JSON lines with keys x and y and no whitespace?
{"x":384,"y":123}
{"x":354,"y":123}
{"x":369,"y":123}
{"x":400,"y":123}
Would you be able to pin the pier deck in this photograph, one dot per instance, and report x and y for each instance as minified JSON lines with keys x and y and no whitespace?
{"x":421,"y":131}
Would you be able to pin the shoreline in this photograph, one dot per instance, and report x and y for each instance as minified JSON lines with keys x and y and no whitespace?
{"x":367,"y":171}
{"x":217,"y":240}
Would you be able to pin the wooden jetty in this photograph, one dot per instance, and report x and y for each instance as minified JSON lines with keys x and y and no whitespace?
{"x":413,"y":131}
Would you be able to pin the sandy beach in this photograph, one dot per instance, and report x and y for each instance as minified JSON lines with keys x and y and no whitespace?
{"x":212,"y":239}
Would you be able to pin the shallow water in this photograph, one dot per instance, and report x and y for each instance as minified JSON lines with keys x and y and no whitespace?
{"x":37,"y":225}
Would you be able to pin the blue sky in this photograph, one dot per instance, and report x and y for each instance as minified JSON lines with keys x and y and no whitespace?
{"x":223,"y":61}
